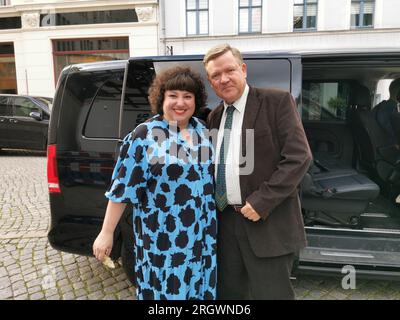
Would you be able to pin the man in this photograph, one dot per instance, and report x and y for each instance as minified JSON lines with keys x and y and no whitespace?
{"x":260,"y":226}
{"x":386,"y":111}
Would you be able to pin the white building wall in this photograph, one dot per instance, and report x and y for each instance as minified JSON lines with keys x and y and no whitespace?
{"x":34,"y":52}
{"x":334,"y":15}
{"x":277,"y":16}
{"x":175,"y":19}
{"x":312,"y":41}
{"x":389,"y":13}
{"x":33,"y":45}
{"x":223,"y":17}
{"x":333,"y":28}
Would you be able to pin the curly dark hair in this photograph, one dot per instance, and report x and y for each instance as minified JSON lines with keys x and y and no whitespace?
{"x":177,"y":78}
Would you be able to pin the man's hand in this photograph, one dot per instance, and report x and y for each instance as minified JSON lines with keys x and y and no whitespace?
{"x":250,"y":213}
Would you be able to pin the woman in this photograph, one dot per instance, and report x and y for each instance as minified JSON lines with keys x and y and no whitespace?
{"x":165,"y":170}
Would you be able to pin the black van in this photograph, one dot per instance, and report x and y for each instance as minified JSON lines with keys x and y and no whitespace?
{"x":348,"y":196}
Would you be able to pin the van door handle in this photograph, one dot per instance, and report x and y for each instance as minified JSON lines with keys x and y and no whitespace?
{"x":13,"y":121}
{"x":2,"y":120}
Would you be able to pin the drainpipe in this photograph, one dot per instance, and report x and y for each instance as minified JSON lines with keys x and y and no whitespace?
{"x":26,"y":82}
{"x":161,"y":6}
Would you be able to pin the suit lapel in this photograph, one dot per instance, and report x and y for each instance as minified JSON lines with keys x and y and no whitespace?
{"x":253,"y":105}
{"x":216,"y":120}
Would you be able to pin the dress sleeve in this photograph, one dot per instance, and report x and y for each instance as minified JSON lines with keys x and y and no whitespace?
{"x":128,"y":182}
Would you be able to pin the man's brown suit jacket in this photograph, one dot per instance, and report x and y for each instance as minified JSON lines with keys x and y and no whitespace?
{"x":281,"y":158}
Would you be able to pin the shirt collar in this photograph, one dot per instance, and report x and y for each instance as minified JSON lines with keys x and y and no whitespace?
{"x":241,"y":102}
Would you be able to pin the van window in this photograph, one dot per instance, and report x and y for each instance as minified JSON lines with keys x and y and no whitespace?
{"x":325,"y":101}
{"x":261,"y":73}
{"x":79,"y":95}
{"x":103,"y":117}
{"x":264,"y":73}
{"x":274,"y":73}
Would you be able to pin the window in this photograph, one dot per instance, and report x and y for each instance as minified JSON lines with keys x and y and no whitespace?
{"x":88,"y":17}
{"x":68,"y":52}
{"x":23,"y":107}
{"x":196,"y":17}
{"x":325,"y":101}
{"x":362,"y":13}
{"x":304,"y":14}
{"x":10,"y":23}
{"x":103,"y":118}
{"x":104,"y":114}
{"x":8,"y":76}
{"x":5,"y":2}
{"x":5,"y":107}
{"x":249,"y":16}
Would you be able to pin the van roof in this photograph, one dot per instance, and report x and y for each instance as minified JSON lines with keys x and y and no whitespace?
{"x":328,"y":53}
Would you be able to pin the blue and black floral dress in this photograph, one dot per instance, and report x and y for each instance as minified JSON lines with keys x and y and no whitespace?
{"x":169,"y":181}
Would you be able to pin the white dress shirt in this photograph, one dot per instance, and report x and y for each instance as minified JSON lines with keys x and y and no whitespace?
{"x":233,"y":156}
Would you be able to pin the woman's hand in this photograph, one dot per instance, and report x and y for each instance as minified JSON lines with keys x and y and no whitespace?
{"x":102,"y":245}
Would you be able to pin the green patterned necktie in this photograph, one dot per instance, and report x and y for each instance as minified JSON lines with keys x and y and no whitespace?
{"x":220,"y":189}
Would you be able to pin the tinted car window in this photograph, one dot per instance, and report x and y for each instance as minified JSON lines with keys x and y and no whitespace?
{"x":23,"y":107}
{"x":5,"y":109}
{"x":269,"y":73}
{"x":103,"y":117}
{"x":261,"y":73}
{"x":77,"y":101}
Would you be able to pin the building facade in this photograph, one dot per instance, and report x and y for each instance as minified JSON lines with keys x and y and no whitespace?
{"x":39,"y":38}
{"x":282,"y":25}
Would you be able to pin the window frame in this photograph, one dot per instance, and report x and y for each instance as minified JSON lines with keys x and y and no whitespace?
{"x":58,"y":53}
{"x":304,"y":16}
{"x":344,"y":84}
{"x":197,"y":10}
{"x":90,"y":17}
{"x":361,"y":14}
{"x":250,"y":8}
{"x":9,"y":55}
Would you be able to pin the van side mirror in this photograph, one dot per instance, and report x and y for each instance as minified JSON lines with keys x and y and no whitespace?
{"x":36,"y":115}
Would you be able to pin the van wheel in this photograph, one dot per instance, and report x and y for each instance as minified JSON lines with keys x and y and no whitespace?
{"x":128,"y":262}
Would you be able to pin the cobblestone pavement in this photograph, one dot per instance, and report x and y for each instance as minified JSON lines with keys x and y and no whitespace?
{"x":31,"y":269}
